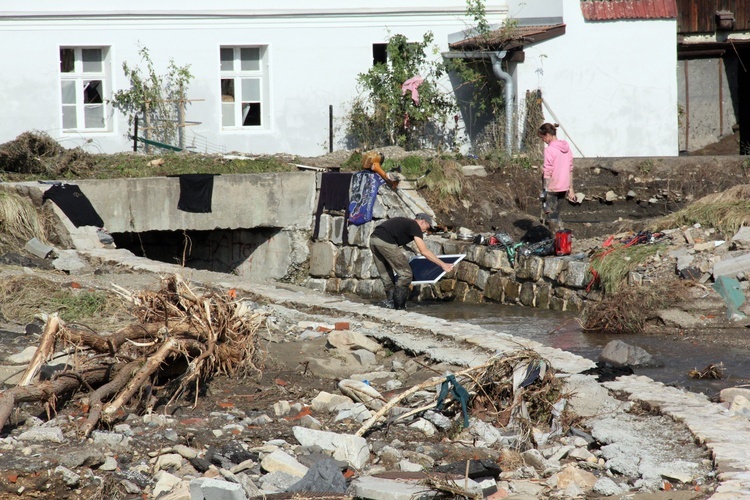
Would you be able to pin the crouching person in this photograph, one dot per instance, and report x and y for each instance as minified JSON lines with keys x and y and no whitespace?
{"x":391,"y":260}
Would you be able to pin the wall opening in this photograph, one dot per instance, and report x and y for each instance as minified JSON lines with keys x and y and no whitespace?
{"x":243,"y":252}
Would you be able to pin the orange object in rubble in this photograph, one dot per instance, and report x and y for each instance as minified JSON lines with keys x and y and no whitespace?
{"x":373,"y":160}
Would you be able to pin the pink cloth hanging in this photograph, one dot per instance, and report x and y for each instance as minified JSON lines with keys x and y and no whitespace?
{"x":411,"y":85}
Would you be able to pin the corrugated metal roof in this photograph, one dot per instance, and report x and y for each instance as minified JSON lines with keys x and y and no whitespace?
{"x":607,"y":10}
{"x":508,"y":39}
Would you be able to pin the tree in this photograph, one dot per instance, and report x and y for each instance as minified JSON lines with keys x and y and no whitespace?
{"x":384,"y":114}
{"x":155,"y":99}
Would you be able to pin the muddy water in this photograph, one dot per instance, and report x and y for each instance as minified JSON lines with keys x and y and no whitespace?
{"x":676,"y":357}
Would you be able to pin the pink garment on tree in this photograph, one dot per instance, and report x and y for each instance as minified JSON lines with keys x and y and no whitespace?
{"x":411,"y":85}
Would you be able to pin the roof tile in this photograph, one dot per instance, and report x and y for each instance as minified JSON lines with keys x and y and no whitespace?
{"x":608,"y":10}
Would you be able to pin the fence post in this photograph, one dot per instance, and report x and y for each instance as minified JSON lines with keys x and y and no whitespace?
{"x":135,"y":135}
{"x":147,"y":119}
{"x":330,"y":128}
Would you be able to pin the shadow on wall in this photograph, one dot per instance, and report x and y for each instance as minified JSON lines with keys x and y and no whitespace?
{"x":233,"y":251}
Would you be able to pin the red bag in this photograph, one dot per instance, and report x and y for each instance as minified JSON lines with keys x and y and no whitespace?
{"x":563,"y":242}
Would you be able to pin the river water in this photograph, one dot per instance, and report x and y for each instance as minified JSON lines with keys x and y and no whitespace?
{"x":675,"y":356}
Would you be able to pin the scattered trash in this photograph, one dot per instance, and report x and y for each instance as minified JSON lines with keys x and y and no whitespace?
{"x":731,"y":291}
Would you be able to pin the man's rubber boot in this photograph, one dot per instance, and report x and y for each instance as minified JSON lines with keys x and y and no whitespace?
{"x":399,"y":297}
{"x":388,"y":302}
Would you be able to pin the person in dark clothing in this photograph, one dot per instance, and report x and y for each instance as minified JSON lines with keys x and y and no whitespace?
{"x":393,"y":265}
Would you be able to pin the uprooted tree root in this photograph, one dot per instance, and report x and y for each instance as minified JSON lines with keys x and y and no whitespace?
{"x":38,"y":153}
{"x":181,"y":341}
{"x":628,"y":310}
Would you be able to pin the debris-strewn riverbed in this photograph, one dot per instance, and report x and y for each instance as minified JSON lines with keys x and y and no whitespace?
{"x":305,"y":423}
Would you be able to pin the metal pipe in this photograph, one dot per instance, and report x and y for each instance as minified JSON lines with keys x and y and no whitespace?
{"x":497,"y":68}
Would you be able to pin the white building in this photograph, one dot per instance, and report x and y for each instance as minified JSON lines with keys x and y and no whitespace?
{"x":285,"y":62}
{"x":267,"y":73}
{"x":607,"y":72}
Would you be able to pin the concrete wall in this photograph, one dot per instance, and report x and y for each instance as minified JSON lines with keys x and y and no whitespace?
{"x":315,"y":51}
{"x":611,"y":85}
{"x":709,"y":101}
{"x":239,"y":202}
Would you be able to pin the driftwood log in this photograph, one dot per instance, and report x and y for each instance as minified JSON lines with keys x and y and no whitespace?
{"x":179,"y":336}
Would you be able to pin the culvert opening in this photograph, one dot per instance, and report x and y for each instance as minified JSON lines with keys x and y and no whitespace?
{"x":219,"y":250}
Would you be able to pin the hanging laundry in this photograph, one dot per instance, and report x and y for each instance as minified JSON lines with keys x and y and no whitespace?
{"x":74,"y":204}
{"x":196,"y":192}
{"x":334,"y":195}
{"x":364,"y":192}
{"x":411,"y":85}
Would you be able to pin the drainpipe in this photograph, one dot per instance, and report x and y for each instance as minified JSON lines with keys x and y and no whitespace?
{"x":497,"y":68}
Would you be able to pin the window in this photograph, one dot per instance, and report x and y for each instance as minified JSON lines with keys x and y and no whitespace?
{"x":243,"y":87}
{"x":83,"y":79}
{"x":379,"y":53}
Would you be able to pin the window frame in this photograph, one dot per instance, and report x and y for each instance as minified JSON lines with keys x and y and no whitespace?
{"x":79,"y":76}
{"x":239,"y":79}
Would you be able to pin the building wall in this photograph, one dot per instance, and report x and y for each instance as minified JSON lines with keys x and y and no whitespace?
{"x":612,"y":85}
{"x":315,"y":52}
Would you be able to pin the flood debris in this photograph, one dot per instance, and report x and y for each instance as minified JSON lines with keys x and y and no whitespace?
{"x":181,"y":340}
{"x":712,"y":371}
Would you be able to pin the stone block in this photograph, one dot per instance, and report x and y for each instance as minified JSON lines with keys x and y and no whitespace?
{"x":474,"y":296}
{"x":526,"y":296}
{"x":574,"y":303}
{"x":363,"y":264}
{"x":323,"y":256}
{"x":543,"y":295}
{"x":467,"y":271}
{"x":475,"y":253}
{"x":447,"y":286}
{"x":379,"y":210}
{"x":345,"y":261}
{"x":495,"y":258}
{"x":324,"y":231}
{"x":370,"y":288}
{"x":317,"y":284}
{"x":460,"y":292}
{"x":530,"y":268}
{"x":512,"y":291}
{"x":348,"y":285}
{"x":452,"y":247}
{"x":333,"y":285}
{"x":482,"y":277}
{"x":577,"y":274}
{"x":435,"y":245}
{"x":362,"y":238}
{"x":556,"y":304}
{"x":337,"y":230}
{"x":495,"y":288}
{"x":553,"y":267}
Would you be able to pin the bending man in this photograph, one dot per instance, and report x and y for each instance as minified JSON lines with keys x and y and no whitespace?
{"x":390,"y":259}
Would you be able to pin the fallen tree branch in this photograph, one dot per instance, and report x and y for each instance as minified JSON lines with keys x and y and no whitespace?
{"x":43,"y":352}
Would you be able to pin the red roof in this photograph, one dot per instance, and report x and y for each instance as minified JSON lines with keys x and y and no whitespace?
{"x":606,"y":10}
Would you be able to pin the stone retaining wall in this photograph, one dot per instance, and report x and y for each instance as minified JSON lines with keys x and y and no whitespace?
{"x":486,"y":274}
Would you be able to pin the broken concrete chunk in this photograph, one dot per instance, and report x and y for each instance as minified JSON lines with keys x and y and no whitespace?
{"x":347,"y":339}
{"x":347,"y":447}
{"x":619,"y":353}
{"x":327,"y":402}
{"x":280,"y":461}
{"x":38,"y":249}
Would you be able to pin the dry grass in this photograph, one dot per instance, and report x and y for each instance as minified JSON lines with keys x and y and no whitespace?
{"x":24,"y":297}
{"x":726,"y":211}
{"x":19,"y":217}
{"x":628,"y":310}
{"x":613,"y":264}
